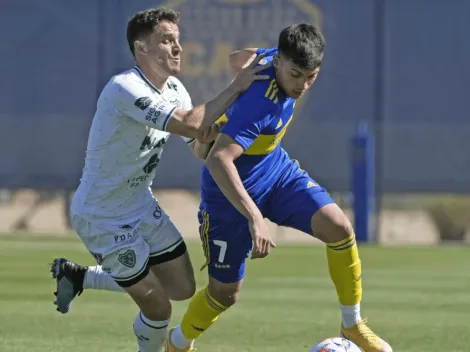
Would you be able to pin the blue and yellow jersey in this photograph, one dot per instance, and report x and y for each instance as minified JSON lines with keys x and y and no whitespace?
{"x":257,"y":120}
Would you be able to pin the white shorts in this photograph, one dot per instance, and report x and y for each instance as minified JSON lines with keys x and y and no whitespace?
{"x":125,"y":251}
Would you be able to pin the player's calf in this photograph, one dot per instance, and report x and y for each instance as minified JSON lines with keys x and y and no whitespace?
{"x":151,"y":323}
{"x":203,"y":311}
{"x":330,"y":225}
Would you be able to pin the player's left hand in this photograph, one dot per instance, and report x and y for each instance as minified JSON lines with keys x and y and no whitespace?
{"x":262,"y":242}
{"x":210,"y":133}
{"x":249,"y":74}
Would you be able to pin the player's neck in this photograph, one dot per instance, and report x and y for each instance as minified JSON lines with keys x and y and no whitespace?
{"x":152,"y":75}
{"x":279,"y":86}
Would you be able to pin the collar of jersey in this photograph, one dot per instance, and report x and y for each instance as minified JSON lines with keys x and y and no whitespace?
{"x":141,"y":74}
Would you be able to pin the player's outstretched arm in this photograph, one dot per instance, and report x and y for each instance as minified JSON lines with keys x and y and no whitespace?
{"x":220,"y":163}
{"x":197,"y":122}
{"x":134,"y":99}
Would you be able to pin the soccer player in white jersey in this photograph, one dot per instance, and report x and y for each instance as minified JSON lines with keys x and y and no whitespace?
{"x":113,"y":210}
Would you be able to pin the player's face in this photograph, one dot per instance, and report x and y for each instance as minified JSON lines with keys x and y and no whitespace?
{"x":164,"y":49}
{"x":293,"y":79}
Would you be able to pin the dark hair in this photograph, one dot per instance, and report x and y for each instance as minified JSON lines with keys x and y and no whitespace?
{"x":143,"y":23}
{"x":303,"y":44}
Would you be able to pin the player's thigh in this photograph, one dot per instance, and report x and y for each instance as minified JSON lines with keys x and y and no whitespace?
{"x":168,"y":259}
{"x":331,"y":225}
{"x":226,"y":242}
{"x":296,"y":199}
{"x":124,"y":254}
{"x":176,"y":275}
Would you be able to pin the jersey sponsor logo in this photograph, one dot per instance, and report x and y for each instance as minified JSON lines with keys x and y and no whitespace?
{"x":152,"y":164}
{"x":151,"y":143}
{"x":143,"y":103}
{"x":136,"y":181}
{"x":153,"y":113}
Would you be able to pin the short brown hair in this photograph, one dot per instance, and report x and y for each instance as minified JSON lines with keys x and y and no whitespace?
{"x":142,"y":24}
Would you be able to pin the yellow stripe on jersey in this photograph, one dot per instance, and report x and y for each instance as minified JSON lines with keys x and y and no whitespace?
{"x":271,"y":84}
{"x":271,"y":93}
{"x":266,"y":143}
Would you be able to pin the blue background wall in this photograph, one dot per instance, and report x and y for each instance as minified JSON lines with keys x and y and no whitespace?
{"x":402,"y":66}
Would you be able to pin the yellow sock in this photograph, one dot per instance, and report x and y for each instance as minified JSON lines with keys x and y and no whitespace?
{"x":345,"y":270}
{"x":203,"y":311}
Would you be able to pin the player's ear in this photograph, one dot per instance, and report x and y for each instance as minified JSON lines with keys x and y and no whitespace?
{"x":140,"y":47}
{"x":276,"y":61}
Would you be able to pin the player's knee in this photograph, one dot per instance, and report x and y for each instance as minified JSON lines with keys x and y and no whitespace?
{"x":331,"y":225}
{"x":185,"y":290}
{"x":157,"y":310}
{"x":226,"y":294}
{"x":151,"y":298}
{"x":226,"y":298}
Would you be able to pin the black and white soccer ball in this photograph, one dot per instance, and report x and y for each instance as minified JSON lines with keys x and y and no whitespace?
{"x":335,"y":344}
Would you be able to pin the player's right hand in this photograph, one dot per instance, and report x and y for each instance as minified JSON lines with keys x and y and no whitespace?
{"x":249,"y":74}
{"x":262,"y":242}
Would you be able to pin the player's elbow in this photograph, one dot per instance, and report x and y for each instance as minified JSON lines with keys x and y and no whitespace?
{"x":216,"y":160}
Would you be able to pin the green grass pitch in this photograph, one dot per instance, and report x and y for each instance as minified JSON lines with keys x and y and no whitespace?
{"x":417,"y":298}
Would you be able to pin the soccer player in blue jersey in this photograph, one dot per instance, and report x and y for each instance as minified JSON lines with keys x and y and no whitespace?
{"x":248,"y":176}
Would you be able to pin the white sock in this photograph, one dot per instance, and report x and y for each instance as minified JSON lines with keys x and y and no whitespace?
{"x":351,"y":315}
{"x":150,"y":334}
{"x":178,"y":339}
{"x":97,"y":279}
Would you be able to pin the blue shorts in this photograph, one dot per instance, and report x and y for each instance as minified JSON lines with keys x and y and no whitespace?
{"x":224,"y":232}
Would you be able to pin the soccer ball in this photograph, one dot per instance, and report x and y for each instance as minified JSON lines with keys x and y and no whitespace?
{"x":335,"y":344}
